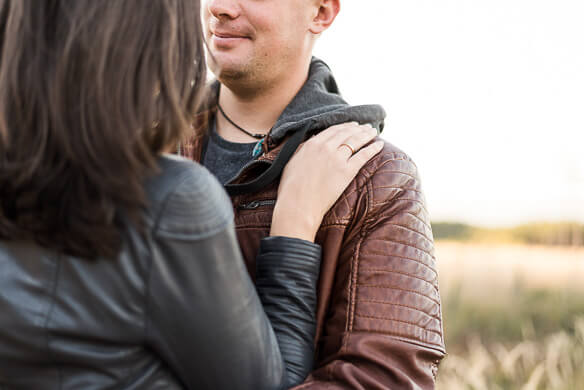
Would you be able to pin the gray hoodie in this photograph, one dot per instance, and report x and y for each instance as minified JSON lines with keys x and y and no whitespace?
{"x":317,"y":106}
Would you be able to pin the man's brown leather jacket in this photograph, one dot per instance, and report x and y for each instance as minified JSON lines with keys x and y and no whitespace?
{"x":379,"y":320}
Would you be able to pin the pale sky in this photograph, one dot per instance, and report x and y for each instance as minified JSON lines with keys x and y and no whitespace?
{"x":486,"y":96}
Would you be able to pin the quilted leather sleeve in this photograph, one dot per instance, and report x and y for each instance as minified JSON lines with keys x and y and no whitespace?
{"x":384,"y":326}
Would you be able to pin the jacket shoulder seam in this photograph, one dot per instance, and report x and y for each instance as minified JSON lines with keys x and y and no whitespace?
{"x":351,"y":302}
{"x":219,"y":224}
{"x":355,"y":268}
{"x":385,"y":158}
{"x":368,"y":175}
{"x":163,"y":203}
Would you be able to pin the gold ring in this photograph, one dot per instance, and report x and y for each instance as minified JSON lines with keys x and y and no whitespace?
{"x":350,"y":148}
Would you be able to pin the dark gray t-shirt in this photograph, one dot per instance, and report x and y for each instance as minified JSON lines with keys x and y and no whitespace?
{"x":224,"y":158}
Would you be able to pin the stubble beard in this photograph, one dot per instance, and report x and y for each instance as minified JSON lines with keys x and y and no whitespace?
{"x":245,"y":79}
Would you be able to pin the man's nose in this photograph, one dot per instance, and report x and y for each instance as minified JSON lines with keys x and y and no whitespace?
{"x":222,"y":9}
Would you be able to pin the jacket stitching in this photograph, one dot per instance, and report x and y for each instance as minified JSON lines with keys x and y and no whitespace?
{"x":441,"y":320}
{"x":412,"y":175}
{"x":400,"y":321}
{"x":352,"y":211}
{"x":402,"y":243}
{"x":401,"y":200}
{"x":354,"y":273}
{"x":352,"y":289}
{"x":405,"y":258}
{"x":351,"y":215}
{"x":391,"y":271}
{"x":387,"y":287}
{"x":419,"y":219}
{"x":407,"y":339}
{"x":353,"y":191}
{"x":389,"y":158}
{"x":355,"y":270}
{"x":357,"y":187}
{"x":369,"y":218}
{"x":400,"y":305}
{"x":409,"y":229}
{"x":364,"y":232}
{"x":398,"y":188}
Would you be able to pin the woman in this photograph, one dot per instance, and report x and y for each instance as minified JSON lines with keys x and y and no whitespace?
{"x":119,"y":266}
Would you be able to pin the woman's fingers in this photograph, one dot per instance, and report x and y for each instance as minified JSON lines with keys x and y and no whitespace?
{"x":348,"y":130}
{"x":360,"y":158}
{"x":356,"y":140}
{"x":344,"y":141}
{"x":317,"y":175}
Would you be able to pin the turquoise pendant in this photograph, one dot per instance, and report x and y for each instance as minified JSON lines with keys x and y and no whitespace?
{"x":257,"y":149}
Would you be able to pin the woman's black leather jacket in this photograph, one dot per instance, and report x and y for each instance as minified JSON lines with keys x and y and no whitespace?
{"x":175,"y":310}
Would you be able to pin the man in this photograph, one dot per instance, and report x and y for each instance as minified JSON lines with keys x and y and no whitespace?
{"x":379,"y":323}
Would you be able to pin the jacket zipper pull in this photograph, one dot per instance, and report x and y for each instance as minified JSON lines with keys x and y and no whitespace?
{"x":255,"y":204}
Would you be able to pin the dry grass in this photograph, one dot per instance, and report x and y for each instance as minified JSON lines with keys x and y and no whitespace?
{"x":513,"y":316}
{"x":556,"y":362}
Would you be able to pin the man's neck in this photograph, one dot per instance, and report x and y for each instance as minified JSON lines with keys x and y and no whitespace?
{"x":258,"y":110}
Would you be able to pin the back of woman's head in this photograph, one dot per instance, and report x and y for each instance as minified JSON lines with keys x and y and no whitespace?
{"x":91,"y":91}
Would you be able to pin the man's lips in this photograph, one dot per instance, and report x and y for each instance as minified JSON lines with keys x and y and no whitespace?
{"x":226,"y":35}
{"x":226,"y":40}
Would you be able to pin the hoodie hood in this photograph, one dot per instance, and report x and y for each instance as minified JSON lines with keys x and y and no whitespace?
{"x":319,"y":105}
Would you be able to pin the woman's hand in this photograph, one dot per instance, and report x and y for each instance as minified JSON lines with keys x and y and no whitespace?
{"x":317,"y":175}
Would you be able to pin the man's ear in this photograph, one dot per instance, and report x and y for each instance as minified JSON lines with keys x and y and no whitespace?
{"x":327,"y":11}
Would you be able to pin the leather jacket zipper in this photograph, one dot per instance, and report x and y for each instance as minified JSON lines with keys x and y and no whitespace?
{"x":256,"y":204}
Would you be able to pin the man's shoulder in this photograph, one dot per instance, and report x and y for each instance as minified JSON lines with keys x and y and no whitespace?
{"x":388,"y":166}
{"x":388,"y":173}
{"x":390,"y":154}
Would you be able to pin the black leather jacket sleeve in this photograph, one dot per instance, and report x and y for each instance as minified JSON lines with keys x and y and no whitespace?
{"x":286,"y":279}
{"x":204,"y":317}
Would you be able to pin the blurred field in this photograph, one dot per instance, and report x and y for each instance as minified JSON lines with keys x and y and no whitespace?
{"x":535,"y":233}
{"x":513,"y":316}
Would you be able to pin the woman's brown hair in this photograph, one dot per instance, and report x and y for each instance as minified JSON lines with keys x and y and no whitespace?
{"x":91,"y":91}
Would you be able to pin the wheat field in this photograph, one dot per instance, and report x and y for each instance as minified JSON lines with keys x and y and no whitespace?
{"x":513,"y":316}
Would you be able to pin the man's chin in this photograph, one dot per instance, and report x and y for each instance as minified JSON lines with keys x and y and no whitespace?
{"x":228,"y":69}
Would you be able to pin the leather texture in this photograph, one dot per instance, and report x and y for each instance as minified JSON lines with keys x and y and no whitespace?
{"x":379,"y":320}
{"x":286,"y":279}
{"x":175,"y":310}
